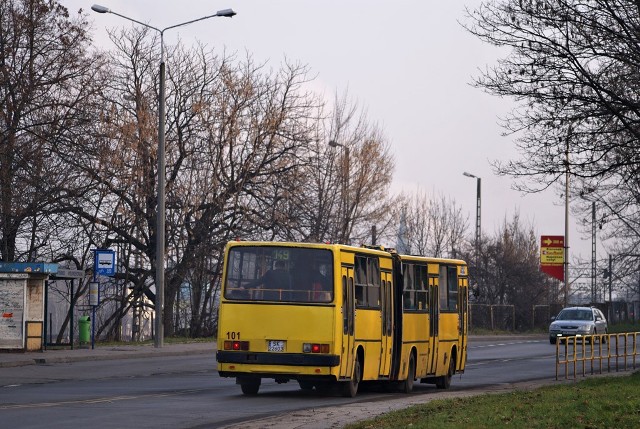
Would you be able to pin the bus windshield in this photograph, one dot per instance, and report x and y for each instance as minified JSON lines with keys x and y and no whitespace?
{"x":278,"y":273}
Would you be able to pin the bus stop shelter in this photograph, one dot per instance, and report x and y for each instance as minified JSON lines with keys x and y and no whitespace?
{"x":22,"y":292}
{"x":73,"y":276}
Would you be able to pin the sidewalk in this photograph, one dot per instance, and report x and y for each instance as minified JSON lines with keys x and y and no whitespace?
{"x":13,"y":359}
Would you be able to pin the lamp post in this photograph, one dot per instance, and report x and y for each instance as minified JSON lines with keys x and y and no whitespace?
{"x":160,"y":216}
{"x":478,"y":206}
{"x":477,"y":240}
{"x":345,"y":190}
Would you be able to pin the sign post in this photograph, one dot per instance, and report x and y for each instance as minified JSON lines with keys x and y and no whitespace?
{"x":104,"y":263}
{"x":552,"y":257}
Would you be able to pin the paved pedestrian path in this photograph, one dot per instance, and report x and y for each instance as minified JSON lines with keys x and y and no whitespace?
{"x":100,"y":352}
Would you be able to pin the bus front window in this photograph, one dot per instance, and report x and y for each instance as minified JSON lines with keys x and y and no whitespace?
{"x":276,"y":273}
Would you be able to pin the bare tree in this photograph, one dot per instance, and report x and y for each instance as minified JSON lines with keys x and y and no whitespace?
{"x":572,"y":67}
{"x":234,"y":134}
{"x":337,"y":193}
{"x":569,"y":64}
{"x":510,"y":271}
{"x":366,"y":174}
{"x":419,"y":227}
{"x":45,"y":81}
{"x":435,"y":225}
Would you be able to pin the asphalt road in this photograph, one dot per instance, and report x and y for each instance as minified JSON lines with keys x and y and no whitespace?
{"x":185,"y":391}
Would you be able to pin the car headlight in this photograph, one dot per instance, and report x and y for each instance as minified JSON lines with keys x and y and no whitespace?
{"x":584,"y":328}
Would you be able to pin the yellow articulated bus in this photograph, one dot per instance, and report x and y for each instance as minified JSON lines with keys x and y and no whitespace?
{"x":331,"y":315}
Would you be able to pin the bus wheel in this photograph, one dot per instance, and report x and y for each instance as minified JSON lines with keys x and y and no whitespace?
{"x":249,"y":386}
{"x":444,"y":382}
{"x":407,"y":385}
{"x":350,"y":388}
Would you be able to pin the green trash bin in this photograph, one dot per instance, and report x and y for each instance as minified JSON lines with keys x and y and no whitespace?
{"x":84,"y":329}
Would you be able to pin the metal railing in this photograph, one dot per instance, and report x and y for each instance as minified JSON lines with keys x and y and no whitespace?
{"x":610,"y":352}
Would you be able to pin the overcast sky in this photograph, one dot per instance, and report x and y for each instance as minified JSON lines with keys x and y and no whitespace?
{"x":410,"y":63}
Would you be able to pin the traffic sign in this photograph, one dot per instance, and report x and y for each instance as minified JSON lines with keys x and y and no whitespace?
{"x":105,"y":262}
{"x":552,"y":255}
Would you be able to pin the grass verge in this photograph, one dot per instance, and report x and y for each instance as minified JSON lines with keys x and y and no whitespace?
{"x":603,"y":402}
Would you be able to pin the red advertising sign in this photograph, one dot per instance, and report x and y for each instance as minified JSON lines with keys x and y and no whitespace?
{"x":552,"y":255}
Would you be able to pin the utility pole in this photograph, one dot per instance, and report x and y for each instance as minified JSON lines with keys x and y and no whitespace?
{"x":594,"y":276}
{"x":610,"y":307}
{"x":566,"y":221}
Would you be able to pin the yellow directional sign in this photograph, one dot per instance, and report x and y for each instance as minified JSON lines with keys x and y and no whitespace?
{"x":552,"y":255}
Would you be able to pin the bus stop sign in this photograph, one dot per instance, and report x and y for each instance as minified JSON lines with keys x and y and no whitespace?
{"x":105,"y":262}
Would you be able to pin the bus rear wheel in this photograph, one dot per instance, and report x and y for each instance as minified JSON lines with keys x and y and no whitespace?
{"x":444,"y":382}
{"x":406,"y":386}
{"x":350,"y":388}
{"x":249,"y":386}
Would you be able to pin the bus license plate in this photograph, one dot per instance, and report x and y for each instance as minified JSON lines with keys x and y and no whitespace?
{"x":276,"y":346}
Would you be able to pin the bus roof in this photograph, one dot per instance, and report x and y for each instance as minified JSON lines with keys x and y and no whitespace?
{"x":335,"y":246}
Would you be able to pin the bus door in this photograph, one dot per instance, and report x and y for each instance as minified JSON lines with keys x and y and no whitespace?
{"x":348,"y":322}
{"x":387,"y":324}
{"x":434,"y":323}
{"x":463,"y":302}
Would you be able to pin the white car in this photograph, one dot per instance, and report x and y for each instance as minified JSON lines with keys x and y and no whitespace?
{"x":578,"y":322}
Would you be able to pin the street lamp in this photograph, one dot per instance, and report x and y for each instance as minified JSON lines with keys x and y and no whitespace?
{"x":160,"y":219}
{"x":478,"y":206}
{"x":345,"y":189}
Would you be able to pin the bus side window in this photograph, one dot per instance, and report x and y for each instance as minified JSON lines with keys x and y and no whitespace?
{"x":409,"y":292}
{"x":373,"y":282}
{"x":452,"y":285}
{"x":421,"y":286}
{"x":360,"y":280}
{"x":442,"y":281}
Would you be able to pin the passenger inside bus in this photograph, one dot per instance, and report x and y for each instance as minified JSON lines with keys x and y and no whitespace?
{"x":309,"y":284}
{"x":320,"y":285}
{"x":272,"y":284}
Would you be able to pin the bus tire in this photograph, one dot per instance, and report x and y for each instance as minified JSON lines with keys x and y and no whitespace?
{"x":406,"y":386}
{"x":350,"y":388}
{"x":444,"y":382}
{"x":249,"y":386}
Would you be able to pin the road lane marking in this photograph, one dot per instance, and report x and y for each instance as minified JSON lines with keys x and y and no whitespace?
{"x":97,"y":400}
